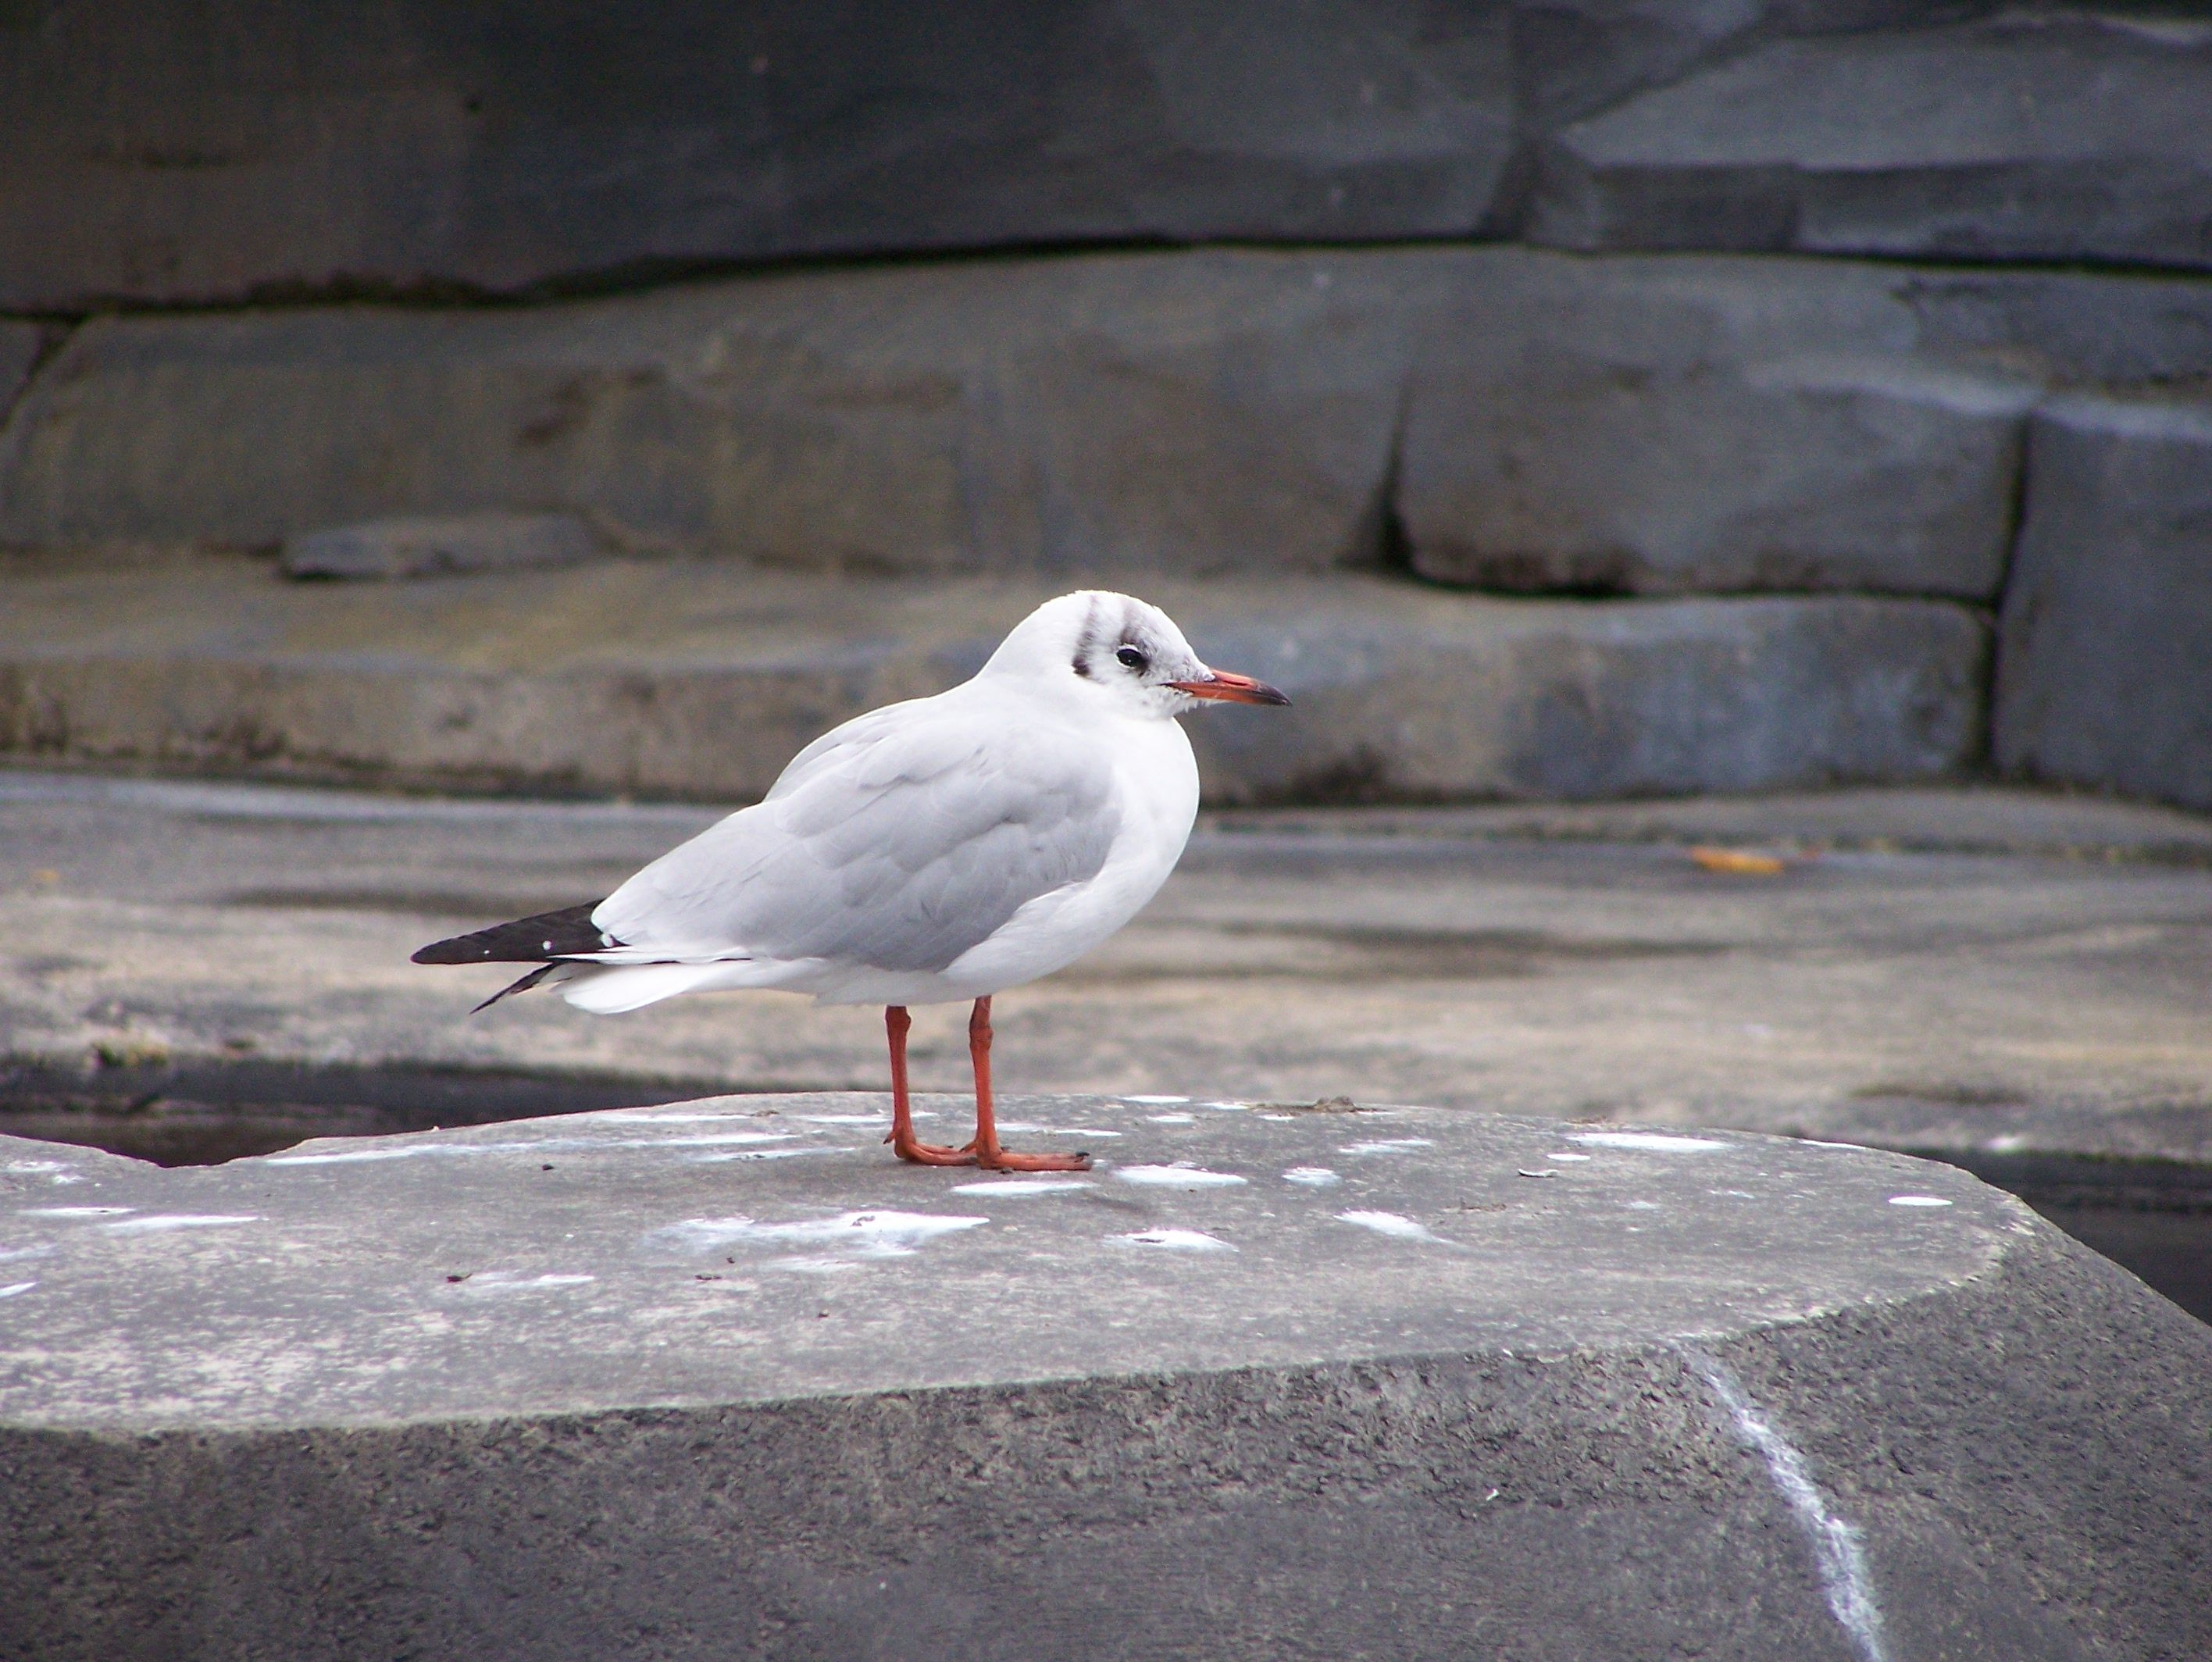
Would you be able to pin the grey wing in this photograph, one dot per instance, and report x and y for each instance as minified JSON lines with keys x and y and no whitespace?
{"x":899,"y":842}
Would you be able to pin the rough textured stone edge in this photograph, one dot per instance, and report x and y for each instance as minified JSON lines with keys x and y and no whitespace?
{"x":1930,"y":1428}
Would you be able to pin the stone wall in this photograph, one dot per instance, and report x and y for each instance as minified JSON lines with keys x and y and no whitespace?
{"x":1566,"y":297}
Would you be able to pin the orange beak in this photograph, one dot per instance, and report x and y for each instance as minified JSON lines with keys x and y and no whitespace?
{"x":1230,"y":688}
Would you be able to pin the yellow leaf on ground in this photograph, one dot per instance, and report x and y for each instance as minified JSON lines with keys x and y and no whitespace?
{"x":1736,"y":861}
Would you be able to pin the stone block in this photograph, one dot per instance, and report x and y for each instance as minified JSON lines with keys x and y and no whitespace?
{"x":20,"y":345}
{"x":1467,"y":698}
{"x":169,"y":155}
{"x":1196,"y":412}
{"x":2105,"y":661}
{"x":440,"y":547}
{"x":2033,"y":134}
{"x":724,"y":1381}
{"x":1653,"y":426}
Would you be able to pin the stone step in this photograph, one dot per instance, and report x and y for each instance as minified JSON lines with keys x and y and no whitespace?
{"x":702,"y":678}
{"x":725,"y":1380}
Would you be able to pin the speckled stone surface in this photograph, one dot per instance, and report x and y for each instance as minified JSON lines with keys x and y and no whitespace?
{"x":722,"y":1378}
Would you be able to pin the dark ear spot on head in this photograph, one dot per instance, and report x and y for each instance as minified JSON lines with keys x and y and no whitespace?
{"x":1081,"y":668}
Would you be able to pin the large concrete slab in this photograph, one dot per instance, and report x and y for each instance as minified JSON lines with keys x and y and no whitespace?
{"x":1976,"y":971}
{"x":2104,"y":670}
{"x":2036,"y":134}
{"x":725,"y":1380}
{"x":703,"y":678}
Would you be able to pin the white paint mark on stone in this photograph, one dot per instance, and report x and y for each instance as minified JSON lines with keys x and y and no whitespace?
{"x":1646,"y":1141}
{"x":1024,"y":1185}
{"x":75,"y":1211}
{"x":1181,"y":1175}
{"x":1312,"y":1177}
{"x":863,"y":1234}
{"x":14,"y":1288}
{"x":1839,"y":1546}
{"x":1172,"y":1118}
{"x":1393,"y":1225}
{"x":1157,"y":1102}
{"x":1389,"y":1145}
{"x":159,"y":1221}
{"x":1178,"y":1240}
{"x":1917,"y":1200}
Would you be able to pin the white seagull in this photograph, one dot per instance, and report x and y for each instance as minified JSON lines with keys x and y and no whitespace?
{"x":942,"y":848}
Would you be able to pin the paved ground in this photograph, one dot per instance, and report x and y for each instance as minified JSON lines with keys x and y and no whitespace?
{"x":1929,"y":969}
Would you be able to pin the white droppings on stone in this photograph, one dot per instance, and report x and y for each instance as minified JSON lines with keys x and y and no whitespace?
{"x":159,"y":1221}
{"x":1647,"y":1142}
{"x":1566,"y":1156}
{"x":844,"y":1119}
{"x":1395,"y":1225}
{"x":758,"y":1154}
{"x":1311,"y":1177}
{"x":1031,"y":1128}
{"x":864,"y":1234}
{"x":505,"y":1281}
{"x":1156,"y":1101}
{"x":1226,"y":1107}
{"x":12,"y":1254}
{"x":1277,"y":1116}
{"x":1815,"y":1143}
{"x":813,"y":1265}
{"x":1172,"y":1118}
{"x":35,"y":1168}
{"x":358,"y":1156}
{"x":531,"y":1146}
{"x":1389,"y":1145}
{"x":1838,"y":1545}
{"x":13,"y":1287}
{"x":75,"y":1211}
{"x":1178,"y":1240}
{"x":1024,"y":1185}
{"x":656,"y":1117}
{"x":1917,"y":1200}
{"x":1642,"y":1205}
{"x":1181,"y":1175}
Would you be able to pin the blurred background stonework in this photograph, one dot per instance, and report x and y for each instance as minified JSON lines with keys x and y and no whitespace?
{"x":1561,"y":398}
{"x":1803,"y":410}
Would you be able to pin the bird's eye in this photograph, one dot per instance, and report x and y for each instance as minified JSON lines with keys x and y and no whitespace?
{"x":1130,"y":658}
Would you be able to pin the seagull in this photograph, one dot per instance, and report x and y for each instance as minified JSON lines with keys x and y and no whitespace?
{"x":935,"y":850}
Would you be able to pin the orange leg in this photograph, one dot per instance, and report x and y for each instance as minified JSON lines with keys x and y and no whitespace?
{"x":902,"y":1139}
{"x":988,"y":1153}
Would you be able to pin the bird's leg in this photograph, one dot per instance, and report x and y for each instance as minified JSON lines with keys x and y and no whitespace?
{"x":988,"y":1153}
{"x":902,"y":1139}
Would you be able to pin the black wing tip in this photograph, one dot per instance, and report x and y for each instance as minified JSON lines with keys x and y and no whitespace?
{"x":526,"y":940}
{"x":521,"y":984}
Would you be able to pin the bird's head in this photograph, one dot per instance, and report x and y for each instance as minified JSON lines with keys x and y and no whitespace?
{"x":1116,"y":647}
